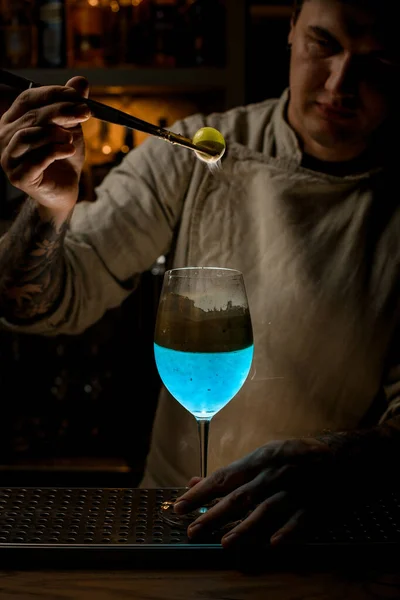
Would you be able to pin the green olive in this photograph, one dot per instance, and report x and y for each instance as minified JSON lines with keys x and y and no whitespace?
{"x":211,"y":139}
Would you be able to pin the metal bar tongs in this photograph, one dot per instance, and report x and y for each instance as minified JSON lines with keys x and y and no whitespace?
{"x":112,"y":115}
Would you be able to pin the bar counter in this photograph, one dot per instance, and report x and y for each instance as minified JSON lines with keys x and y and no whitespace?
{"x":199,"y":584}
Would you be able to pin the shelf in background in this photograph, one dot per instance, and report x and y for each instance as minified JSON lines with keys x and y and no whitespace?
{"x":81,"y":471}
{"x":145,"y":80}
{"x":258,"y":11}
{"x":227,"y":83}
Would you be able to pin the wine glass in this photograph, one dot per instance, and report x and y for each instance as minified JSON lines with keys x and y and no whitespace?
{"x":203,"y":347}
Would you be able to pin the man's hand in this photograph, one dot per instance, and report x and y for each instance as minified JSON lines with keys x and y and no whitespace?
{"x":269,"y":491}
{"x":42,"y":146}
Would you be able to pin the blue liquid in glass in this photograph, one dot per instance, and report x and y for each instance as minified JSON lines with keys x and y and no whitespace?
{"x":203,"y":382}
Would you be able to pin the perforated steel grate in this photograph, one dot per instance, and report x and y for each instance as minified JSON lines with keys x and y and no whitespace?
{"x":375,"y":521}
{"x":107,"y":517}
{"x":85,"y":516}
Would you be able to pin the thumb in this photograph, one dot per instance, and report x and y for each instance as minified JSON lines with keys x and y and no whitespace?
{"x":80,"y":84}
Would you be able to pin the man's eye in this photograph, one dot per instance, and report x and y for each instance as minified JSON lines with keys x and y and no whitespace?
{"x":320,"y":46}
{"x":321,"y":42}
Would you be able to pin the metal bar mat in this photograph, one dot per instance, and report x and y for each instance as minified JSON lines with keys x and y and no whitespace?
{"x":129,"y":520}
{"x":85,"y":516}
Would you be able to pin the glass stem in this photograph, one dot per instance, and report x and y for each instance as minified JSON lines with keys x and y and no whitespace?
{"x":203,"y":426}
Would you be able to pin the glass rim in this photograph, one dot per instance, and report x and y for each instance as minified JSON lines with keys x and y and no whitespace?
{"x":178,"y":271}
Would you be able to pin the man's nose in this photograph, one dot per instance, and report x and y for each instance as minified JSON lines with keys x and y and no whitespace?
{"x":341,"y":80}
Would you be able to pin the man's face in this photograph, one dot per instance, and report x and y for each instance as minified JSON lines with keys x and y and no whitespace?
{"x":341,"y":79}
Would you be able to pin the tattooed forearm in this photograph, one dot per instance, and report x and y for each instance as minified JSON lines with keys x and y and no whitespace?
{"x":31,"y":266}
{"x":367,"y":451}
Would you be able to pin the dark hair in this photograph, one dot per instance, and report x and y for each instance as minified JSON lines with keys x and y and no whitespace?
{"x":386,"y":11}
{"x":297,"y":4}
{"x":381,"y":7}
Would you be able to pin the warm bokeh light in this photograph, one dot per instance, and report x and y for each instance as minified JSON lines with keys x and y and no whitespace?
{"x":149,"y":108}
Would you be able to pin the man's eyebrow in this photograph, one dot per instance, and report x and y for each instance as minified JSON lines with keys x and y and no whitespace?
{"x":322,"y":32}
{"x":386,"y":54}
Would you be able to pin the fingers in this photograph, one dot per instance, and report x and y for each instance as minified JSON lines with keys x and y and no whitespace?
{"x":194,"y":481}
{"x":258,"y":522}
{"x":37,"y":130}
{"x":80,"y":85}
{"x":218,"y":484}
{"x":27,"y":174}
{"x":240,"y":501}
{"x":275,"y":518}
{"x":35,"y":99}
{"x":280,"y":456}
{"x":40,"y":128}
{"x":222,"y":482}
{"x":293,"y":524}
{"x":65,"y":114}
{"x":257,"y":488}
{"x":16,"y":138}
{"x":235,"y":499}
{"x":229,"y":508}
{"x":27,"y":140}
{"x":32,"y":149}
{"x":258,"y":525}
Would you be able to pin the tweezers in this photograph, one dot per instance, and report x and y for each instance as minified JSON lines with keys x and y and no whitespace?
{"x":106,"y":113}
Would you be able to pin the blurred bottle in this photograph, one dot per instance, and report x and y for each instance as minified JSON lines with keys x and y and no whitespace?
{"x":102,"y":155}
{"x":128,"y":35}
{"x":127,"y":39}
{"x":162,"y":122}
{"x":51,"y":33}
{"x":207,"y":22}
{"x":111,"y":31}
{"x":184,"y":36}
{"x":85,"y":39}
{"x":143,"y":33}
{"x":165,"y":20}
{"x":127,"y":146}
{"x":18,"y":34}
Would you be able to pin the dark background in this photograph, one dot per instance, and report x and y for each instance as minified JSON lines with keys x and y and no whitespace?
{"x":79,"y":409}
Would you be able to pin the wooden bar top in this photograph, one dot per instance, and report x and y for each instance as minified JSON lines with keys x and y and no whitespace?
{"x":198,"y":585}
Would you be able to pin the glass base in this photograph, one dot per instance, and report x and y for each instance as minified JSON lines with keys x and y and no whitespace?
{"x":182,"y":522}
{"x":168,"y":515}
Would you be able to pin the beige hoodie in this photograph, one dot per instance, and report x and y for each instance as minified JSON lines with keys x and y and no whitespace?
{"x":320,"y":258}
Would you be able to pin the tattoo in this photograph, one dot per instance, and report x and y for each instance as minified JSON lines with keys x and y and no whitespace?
{"x":371,"y":450}
{"x":346,"y":440}
{"x":31,"y":266}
